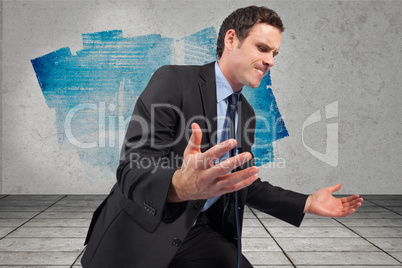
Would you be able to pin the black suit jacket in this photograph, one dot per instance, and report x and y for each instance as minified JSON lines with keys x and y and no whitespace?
{"x":135,"y":226}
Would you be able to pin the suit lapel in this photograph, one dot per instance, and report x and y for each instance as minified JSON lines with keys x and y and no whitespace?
{"x":207,"y":86}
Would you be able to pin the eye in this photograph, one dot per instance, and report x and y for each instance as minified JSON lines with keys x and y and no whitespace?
{"x":261,"y":49}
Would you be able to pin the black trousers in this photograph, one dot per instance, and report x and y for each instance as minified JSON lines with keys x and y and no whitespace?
{"x":205,"y":248}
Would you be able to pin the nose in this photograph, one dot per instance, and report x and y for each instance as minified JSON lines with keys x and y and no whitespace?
{"x":269,"y":60}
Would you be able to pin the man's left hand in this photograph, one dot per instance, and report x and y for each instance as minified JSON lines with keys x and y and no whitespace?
{"x":322,"y":203}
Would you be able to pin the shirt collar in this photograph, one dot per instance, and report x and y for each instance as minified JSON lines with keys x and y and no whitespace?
{"x":223,"y":88}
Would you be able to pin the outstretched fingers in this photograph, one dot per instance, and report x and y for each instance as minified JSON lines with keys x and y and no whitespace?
{"x":335,"y":188}
{"x":213,"y":153}
{"x":242,"y":184}
{"x":351,"y":198}
{"x":352,"y":201}
{"x":349,"y":205}
{"x":226,"y":166}
{"x":237,"y":180}
{"x":194,"y":143}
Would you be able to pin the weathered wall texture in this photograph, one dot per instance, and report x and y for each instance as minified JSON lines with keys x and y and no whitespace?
{"x":336,"y":83}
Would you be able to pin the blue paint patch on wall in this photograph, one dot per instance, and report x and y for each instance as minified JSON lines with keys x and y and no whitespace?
{"x":200,"y":46}
{"x":270,"y":126}
{"x":94,"y":92}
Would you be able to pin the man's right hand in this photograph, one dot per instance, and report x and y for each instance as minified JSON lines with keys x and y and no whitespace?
{"x":200,"y":178}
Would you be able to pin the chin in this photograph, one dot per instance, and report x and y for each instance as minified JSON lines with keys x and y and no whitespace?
{"x":254,"y":85}
{"x":253,"y":82}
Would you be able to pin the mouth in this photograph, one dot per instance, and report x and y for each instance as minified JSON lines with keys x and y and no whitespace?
{"x":261,"y":72}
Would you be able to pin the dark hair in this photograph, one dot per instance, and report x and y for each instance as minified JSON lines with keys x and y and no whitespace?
{"x":242,"y":20}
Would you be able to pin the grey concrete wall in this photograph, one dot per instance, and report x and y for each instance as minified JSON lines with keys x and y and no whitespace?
{"x":347,"y":52}
{"x":343,"y":55}
{"x":1,"y":93}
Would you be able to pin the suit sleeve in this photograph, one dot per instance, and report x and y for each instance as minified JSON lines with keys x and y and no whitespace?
{"x":275,"y":201}
{"x":280,"y":203}
{"x":147,"y":164}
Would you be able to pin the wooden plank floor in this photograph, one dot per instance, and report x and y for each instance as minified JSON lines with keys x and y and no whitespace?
{"x":49,"y":231}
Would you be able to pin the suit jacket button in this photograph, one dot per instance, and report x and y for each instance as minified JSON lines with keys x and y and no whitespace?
{"x":198,"y":205}
{"x":176,"y":242}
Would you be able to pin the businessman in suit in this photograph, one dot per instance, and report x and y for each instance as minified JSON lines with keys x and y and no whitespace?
{"x":186,"y":172}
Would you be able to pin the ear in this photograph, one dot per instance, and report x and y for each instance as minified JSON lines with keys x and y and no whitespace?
{"x":230,"y":39}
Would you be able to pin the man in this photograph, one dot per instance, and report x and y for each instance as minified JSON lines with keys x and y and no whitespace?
{"x":179,"y":201}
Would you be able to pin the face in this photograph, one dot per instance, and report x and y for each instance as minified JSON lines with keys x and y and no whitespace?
{"x":247,"y":62}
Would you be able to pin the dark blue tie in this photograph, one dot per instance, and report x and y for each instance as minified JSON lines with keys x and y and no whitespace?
{"x":229,"y":133}
{"x":229,"y":128}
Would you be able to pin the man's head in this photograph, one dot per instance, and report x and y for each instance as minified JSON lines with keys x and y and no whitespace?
{"x":242,"y":20}
{"x":248,"y":41}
